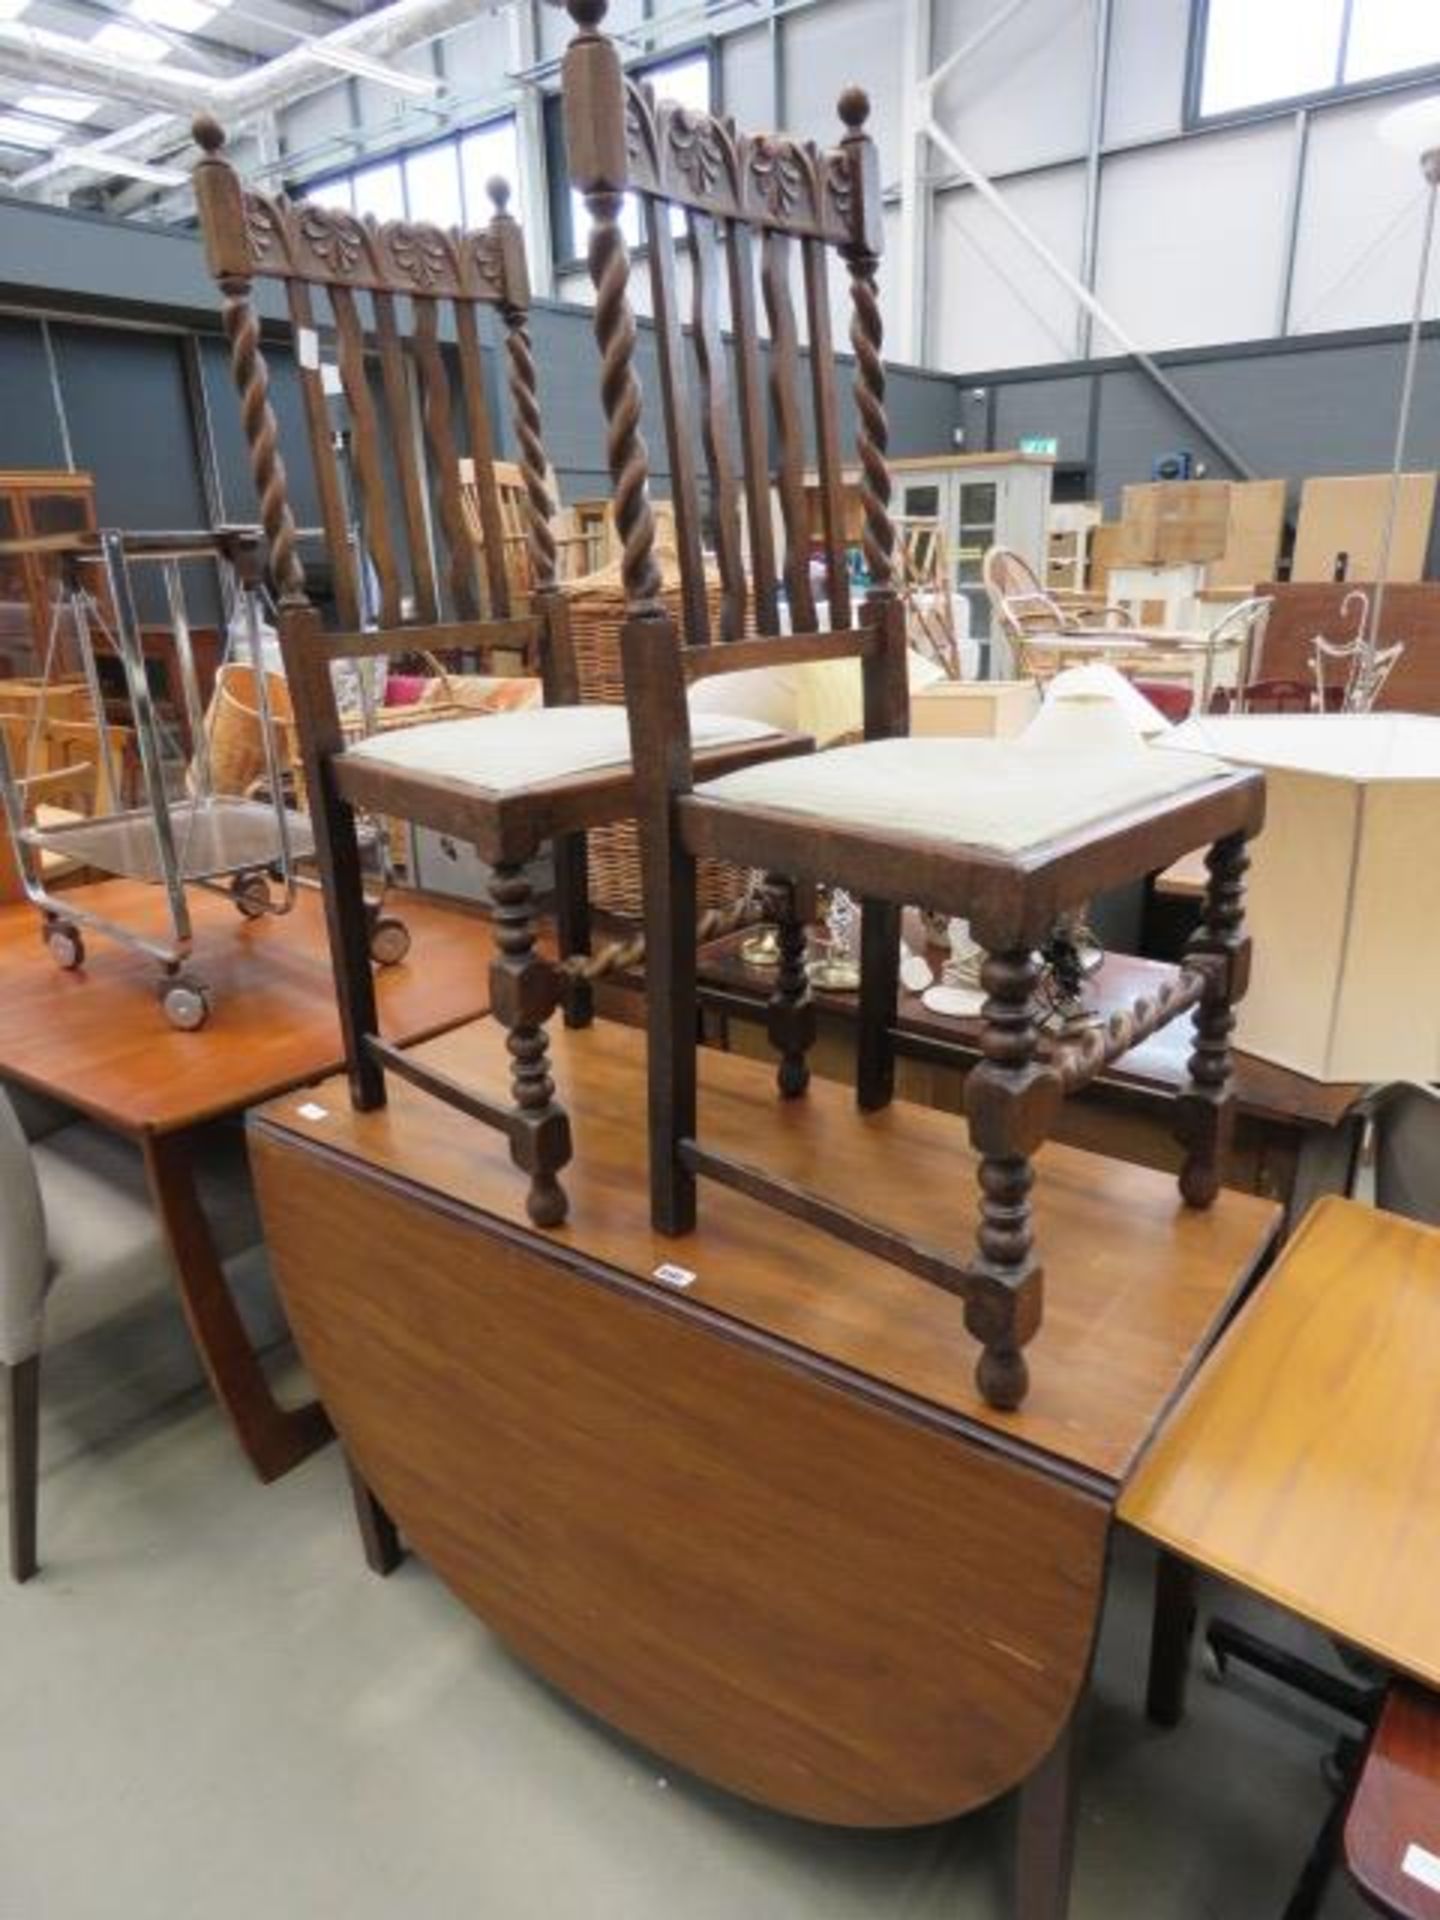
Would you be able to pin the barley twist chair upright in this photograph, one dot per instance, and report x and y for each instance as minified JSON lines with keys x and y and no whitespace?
{"x":962,"y":827}
{"x":507,"y":782}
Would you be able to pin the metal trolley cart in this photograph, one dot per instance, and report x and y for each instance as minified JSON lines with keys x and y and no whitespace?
{"x":182,"y":832}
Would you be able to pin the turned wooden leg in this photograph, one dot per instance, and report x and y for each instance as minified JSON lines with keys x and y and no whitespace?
{"x":879,"y":991}
{"x":1206,"y":1107}
{"x":379,"y":1536}
{"x":337,"y":849}
{"x":791,"y":1013}
{"x":523,"y":993}
{"x":1171,"y":1632}
{"x":572,"y":921}
{"x":1010,"y":1101}
{"x":1045,"y":1834}
{"x":22,"y":1442}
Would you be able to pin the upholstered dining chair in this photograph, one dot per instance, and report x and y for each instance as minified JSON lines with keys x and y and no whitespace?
{"x":962,"y":827}
{"x":505,"y":782}
{"x":80,"y":1244}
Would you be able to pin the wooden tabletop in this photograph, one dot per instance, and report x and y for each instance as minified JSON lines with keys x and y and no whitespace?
{"x":98,"y":1040}
{"x":1304,"y":1462}
{"x":1158,"y":1066}
{"x":1127,"y":1314}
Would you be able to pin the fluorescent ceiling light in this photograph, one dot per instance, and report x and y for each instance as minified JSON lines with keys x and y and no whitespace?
{"x":180,"y":16}
{"x":73,"y":107}
{"x":101,"y":160}
{"x":131,"y":43}
{"x":419,"y":86}
{"x":15,"y":132}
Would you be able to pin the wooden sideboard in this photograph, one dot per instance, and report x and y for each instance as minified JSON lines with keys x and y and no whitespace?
{"x":1410,"y":612}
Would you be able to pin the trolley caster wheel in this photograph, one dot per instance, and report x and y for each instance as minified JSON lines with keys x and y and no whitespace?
{"x":67,"y":949}
{"x":185,"y":1002}
{"x":251,"y":894}
{"x":389,"y":941}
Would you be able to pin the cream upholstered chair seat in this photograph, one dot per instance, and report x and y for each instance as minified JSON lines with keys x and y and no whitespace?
{"x":1001,"y":795}
{"x":504,"y":753}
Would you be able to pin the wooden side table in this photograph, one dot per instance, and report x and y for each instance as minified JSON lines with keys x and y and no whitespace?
{"x":96,"y":1039}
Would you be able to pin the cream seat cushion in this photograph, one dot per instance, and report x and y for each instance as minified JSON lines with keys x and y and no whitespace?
{"x":1001,"y":795}
{"x":500,"y":753}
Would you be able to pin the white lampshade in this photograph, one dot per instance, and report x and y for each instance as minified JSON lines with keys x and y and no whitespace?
{"x":1344,"y":890}
{"x":1097,"y":679}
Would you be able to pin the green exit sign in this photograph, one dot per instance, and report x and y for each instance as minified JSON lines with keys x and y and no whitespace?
{"x":1039,"y":443}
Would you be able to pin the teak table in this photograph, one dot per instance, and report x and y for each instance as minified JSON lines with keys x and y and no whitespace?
{"x":97,"y":1040}
{"x":737,"y":1492}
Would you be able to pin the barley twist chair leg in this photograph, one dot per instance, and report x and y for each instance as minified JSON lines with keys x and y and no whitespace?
{"x":1011,"y":1100}
{"x":523,"y":994}
{"x":791,"y":1014}
{"x":1206,"y":1107}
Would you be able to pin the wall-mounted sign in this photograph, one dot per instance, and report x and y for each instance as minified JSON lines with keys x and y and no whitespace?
{"x":1039,"y":443}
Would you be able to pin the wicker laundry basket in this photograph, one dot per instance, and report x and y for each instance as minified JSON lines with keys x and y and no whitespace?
{"x":597,"y":613}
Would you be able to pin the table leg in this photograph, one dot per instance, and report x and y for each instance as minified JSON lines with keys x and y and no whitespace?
{"x":379,"y":1536}
{"x":1325,"y":1163}
{"x":274,"y":1438}
{"x":1171,"y":1633}
{"x":1045,"y":1833}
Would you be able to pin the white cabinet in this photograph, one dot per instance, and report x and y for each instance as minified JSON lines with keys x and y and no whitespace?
{"x":983,"y":501}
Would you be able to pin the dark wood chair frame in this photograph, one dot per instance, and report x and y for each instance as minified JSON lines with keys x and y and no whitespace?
{"x":739,"y":193}
{"x":313,"y":250}
{"x":250,"y":236}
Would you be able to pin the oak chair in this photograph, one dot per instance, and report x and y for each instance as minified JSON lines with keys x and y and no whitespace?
{"x":504,"y":782}
{"x":834,"y":816}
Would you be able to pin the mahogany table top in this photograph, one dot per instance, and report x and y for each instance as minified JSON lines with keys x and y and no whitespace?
{"x":1136,"y":1283}
{"x":98,"y":1040}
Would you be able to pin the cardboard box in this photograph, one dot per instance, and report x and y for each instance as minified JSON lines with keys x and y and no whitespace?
{"x":974,"y":709}
{"x":1254,"y":526}
{"x":1344,"y":890}
{"x":1345,"y":513}
{"x":1174,"y":520}
{"x":1105,"y":544}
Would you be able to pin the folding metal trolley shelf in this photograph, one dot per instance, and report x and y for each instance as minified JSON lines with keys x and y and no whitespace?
{"x":183,"y":832}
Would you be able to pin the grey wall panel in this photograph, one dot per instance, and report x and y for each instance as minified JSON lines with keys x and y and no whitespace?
{"x":1136,"y":423}
{"x":30,"y":435}
{"x":130,"y":427}
{"x":827,"y":49}
{"x":1060,"y":408}
{"x":1022,"y":99}
{"x":1148,"y":40}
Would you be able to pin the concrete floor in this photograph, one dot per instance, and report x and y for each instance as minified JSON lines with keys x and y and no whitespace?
{"x":211,"y":1709}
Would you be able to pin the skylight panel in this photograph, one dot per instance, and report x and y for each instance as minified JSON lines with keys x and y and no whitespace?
{"x":15,"y":132}
{"x":71,"y":107}
{"x":131,"y":43}
{"x":180,"y":16}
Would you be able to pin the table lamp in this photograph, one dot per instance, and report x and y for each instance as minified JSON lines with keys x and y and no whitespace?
{"x":1344,"y":889}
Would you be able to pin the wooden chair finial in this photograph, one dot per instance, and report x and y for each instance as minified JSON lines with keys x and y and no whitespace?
{"x":498,"y":188}
{"x":854,"y":108}
{"x":587,"y":14}
{"x":207,"y":133}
